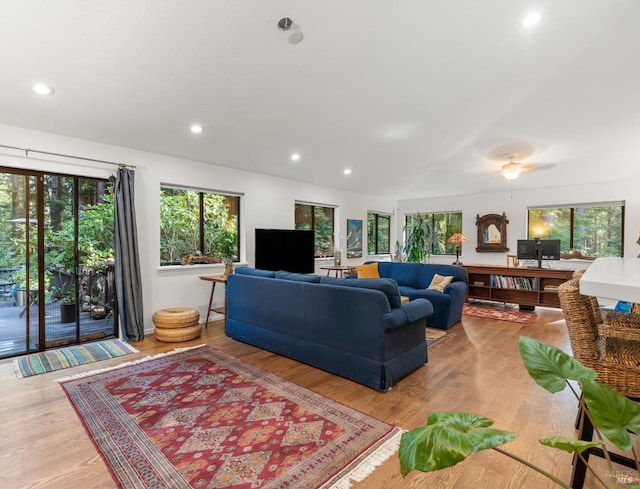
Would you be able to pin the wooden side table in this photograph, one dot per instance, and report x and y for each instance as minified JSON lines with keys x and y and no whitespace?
{"x":214,"y":279}
{"x":339,"y":270}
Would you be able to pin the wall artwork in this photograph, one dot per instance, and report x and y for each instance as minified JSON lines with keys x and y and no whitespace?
{"x":354,"y":238}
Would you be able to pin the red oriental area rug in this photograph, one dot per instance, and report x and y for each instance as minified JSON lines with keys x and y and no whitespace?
{"x":501,"y":314}
{"x":200,"y":418}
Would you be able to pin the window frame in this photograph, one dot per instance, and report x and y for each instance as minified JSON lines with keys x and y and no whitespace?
{"x":202,"y":223}
{"x":438,"y":240}
{"x":376,"y":247}
{"x":571,"y":208}
{"x":317,"y":252}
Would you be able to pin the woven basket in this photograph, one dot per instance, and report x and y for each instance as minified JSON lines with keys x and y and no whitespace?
{"x":176,"y":335}
{"x":176,"y":317}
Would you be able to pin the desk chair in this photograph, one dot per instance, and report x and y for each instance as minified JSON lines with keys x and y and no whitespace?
{"x":611,"y":349}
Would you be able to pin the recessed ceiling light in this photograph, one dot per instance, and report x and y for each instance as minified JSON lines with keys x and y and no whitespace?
{"x":295,"y":157}
{"x":531,"y":19}
{"x":42,"y":89}
{"x":347,"y":171}
{"x":196,"y":128}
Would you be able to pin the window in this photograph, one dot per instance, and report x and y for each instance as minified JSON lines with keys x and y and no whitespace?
{"x":378,"y":233}
{"x":594,"y":230}
{"x":319,"y":219}
{"x":196,"y":221}
{"x":442,"y":225}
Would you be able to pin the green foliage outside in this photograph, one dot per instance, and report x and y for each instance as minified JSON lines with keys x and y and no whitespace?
{"x":95,"y":237}
{"x":180,"y":225}
{"x":450,"y":437}
{"x":18,"y":232}
{"x":417,"y":245}
{"x":320,"y":220}
{"x":597,"y":231}
{"x":437,"y":228}
{"x":378,"y":232}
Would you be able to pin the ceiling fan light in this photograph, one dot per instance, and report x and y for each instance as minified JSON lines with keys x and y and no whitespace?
{"x":511,"y":171}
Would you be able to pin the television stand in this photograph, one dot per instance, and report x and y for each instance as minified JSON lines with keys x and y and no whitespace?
{"x":523,"y":286}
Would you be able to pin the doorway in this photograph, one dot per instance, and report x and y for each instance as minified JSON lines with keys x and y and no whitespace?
{"x":57,"y":282}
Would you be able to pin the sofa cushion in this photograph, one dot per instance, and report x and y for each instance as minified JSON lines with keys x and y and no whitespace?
{"x":297,"y":277}
{"x":404,"y":273}
{"x":368,"y":271}
{"x":387,"y":286}
{"x":255,"y":272}
{"x":439,"y":282}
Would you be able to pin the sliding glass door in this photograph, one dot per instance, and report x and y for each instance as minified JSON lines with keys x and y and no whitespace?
{"x":56,"y":261}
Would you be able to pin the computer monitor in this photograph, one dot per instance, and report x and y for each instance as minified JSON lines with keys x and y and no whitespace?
{"x":538,"y":249}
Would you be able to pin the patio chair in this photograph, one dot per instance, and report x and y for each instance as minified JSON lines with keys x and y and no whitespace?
{"x":612,"y":349}
{"x":11,"y":294}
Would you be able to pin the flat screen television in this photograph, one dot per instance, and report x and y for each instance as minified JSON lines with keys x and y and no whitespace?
{"x":285,"y":249}
{"x":538,"y":249}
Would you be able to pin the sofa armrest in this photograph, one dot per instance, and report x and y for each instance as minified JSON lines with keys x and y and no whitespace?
{"x":456,"y":288}
{"x":408,"y":313}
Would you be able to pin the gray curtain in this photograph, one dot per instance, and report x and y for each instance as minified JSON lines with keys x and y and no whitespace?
{"x":127,"y":266}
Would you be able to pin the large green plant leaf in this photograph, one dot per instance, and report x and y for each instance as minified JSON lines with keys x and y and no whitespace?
{"x":612,"y":413}
{"x":416,"y":247}
{"x":549,"y":366}
{"x":448,"y":438}
{"x":571,"y":445}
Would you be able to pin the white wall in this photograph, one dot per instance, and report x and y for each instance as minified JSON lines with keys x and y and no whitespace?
{"x":268,"y":202}
{"x":515,"y":203}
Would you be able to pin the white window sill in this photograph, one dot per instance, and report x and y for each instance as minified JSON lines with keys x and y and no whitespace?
{"x":198,"y":267}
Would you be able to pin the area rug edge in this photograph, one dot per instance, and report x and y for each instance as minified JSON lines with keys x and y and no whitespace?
{"x":364,"y":465}
{"x":521,"y":317}
{"x":127,"y":364}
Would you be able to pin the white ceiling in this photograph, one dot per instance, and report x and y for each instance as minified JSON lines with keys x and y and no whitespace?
{"x":419,"y":98}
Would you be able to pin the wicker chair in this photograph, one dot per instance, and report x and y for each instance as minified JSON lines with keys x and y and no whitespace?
{"x":612,"y":349}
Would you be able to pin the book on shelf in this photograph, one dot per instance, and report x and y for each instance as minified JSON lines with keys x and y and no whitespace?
{"x":518,"y":283}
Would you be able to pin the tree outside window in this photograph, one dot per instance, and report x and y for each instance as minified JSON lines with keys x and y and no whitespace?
{"x":195,"y":222}
{"x":378,"y":233}
{"x":320,"y":220}
{"x":442,"y":226}
{"x":595,"y":230}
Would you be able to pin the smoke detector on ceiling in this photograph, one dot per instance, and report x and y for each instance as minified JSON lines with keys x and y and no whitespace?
{"x":286,"y":24}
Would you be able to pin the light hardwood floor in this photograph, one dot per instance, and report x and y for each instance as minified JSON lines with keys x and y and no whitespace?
{"x":477,"y":369}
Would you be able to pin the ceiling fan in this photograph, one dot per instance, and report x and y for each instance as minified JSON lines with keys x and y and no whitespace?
{"x":514,"y":169}
{"x":511,"y":170}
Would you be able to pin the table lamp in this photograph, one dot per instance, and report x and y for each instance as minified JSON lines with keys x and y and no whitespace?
{"x":458,"y":238}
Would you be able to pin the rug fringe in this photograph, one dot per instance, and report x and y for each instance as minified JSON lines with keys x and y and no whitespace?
{"x":16,"y":369}
{"x":372,"y":461}
{"x":128,"y":364}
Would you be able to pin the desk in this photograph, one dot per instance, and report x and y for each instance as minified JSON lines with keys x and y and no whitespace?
{"x":339,"y":269}
{"x":214,"y":279}
{"x":613,"y":278}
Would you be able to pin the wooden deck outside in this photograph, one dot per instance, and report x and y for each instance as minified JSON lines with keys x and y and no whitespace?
{"x":15,"y":339}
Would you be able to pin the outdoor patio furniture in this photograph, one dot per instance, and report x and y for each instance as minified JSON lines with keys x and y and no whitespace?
{"x":11,"y":293}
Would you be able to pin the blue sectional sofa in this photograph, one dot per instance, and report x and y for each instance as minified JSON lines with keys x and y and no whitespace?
{"x":357,"y":329}
{"x":413,"y":280}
